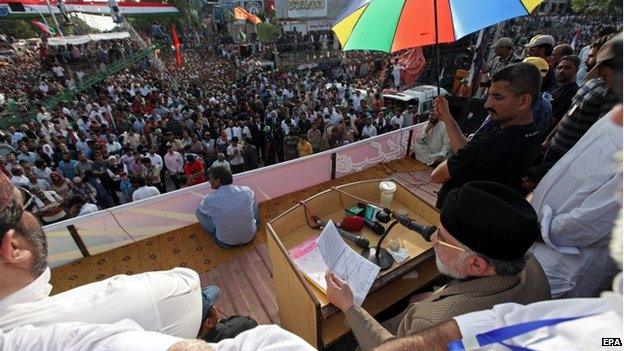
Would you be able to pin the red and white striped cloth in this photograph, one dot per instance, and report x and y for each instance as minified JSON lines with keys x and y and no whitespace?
{"x":44,"y":28}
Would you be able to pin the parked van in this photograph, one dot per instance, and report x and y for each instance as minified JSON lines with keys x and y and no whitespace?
{"x":420,"y":96}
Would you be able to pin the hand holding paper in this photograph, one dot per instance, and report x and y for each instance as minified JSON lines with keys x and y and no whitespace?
{"x":338,"y":292}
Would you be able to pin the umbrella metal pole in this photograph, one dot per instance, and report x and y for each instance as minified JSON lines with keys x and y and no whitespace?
{"x":58,"y":28}
{"x":435,"y":18}
{"x":40,"y":14}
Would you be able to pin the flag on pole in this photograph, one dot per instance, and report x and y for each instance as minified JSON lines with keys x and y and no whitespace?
{"x":176,"y":44}
{"x":575,"y":39}
{"x":413,"y":60}
{"x":44,"y":28}
{"x":242,"y":14}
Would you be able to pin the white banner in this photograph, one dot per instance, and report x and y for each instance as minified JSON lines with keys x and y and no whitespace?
{"x":319,"y":25}
{"x":307,"y":8}
{"x":81,"y":39}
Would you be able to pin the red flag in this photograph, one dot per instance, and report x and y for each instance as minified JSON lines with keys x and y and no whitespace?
{"x":176,"y":45}
{"x":414,"y":62}
{"x":44,"y":28}
{"x":575,"y":39}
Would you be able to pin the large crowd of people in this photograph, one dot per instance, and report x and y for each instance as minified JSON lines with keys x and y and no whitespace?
{"x":144,"y":131}
{"x":108,"y":142}
{"x":528,"y":202}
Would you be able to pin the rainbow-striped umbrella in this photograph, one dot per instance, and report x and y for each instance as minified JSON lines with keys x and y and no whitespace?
{"x":394,"y":25}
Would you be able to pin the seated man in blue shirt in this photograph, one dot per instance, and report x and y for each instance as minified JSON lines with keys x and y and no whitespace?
{"x":230,"y":212}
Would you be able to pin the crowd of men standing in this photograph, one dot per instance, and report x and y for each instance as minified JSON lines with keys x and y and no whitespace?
{"x":547,"y":133}
{"x":139,"y":134}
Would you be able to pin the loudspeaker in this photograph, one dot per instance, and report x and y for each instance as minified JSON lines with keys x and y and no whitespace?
{"x":17,"y":7}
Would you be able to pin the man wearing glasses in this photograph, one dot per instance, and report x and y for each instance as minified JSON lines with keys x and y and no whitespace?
{"x":486,"y":230}
{"x":94,"y":316}
{"x":169,"y":302}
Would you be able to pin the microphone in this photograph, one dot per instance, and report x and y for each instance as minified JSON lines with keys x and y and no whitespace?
{"x":424,"y":230}
{"x":357,"y":239}
{"x":383,"y":216}
{"x":374,"y":226}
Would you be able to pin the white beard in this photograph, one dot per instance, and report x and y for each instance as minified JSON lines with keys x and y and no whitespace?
{"x":451,"y":270}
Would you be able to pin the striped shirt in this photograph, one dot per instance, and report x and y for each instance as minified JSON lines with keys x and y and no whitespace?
{"x":592,"y":101}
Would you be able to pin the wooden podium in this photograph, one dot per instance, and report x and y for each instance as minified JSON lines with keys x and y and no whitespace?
{"x":303,"y":308}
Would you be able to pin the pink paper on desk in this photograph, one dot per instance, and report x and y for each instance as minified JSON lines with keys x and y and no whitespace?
{"x":304,"y":248}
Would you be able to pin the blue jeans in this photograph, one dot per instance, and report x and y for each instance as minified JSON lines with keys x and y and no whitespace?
{"x":208,"y":224}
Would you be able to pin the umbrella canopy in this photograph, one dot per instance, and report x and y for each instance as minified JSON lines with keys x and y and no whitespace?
{"x":395,"y":25}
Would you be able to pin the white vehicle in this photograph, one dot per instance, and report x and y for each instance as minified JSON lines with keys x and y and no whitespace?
{"x":421,"y":96}
{"x":352,"y":90}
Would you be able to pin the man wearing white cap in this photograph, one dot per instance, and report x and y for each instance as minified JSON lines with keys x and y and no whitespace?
{"x":542,"y":46}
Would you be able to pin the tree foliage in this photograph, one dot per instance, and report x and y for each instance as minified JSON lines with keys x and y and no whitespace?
{"x":267,"y":32}
{"x":79,"y":27}
{"x":189,"y":16}
{"x":595,"y":7}
{"x":23,"y":29}
{"x":19,"y":29}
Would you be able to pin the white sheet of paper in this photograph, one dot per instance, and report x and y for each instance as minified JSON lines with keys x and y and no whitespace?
{"x":313,"y":265}
{"x":347,"y":264}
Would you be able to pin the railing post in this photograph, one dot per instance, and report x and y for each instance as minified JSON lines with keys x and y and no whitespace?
{"x":409,"y":142}
{"x":81,"y":245}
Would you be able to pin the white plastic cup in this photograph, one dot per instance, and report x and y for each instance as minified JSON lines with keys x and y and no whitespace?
{"x":387,"y":193}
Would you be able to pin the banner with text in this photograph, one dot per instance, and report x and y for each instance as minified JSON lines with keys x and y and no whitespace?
{"x":314,"y":25}
{"x":307,"y":8}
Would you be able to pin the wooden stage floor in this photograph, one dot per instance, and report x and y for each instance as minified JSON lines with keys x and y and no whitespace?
{"x":243,"y":274}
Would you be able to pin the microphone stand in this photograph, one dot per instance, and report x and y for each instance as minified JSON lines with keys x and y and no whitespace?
{"x":379,"y":255}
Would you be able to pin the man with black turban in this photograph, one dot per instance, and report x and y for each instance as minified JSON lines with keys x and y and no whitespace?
{"x":486,"y":230}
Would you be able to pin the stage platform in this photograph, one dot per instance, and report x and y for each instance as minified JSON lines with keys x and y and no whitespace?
{"x":243,"y":274}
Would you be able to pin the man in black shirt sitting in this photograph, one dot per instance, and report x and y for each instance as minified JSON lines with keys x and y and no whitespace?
{"x":566,"y":88}
{"x":503,"y":154}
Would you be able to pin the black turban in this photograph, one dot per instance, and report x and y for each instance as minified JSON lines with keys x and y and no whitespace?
{"x":491,"y":219}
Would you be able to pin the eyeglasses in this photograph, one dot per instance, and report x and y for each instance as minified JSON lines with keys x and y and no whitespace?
{"x":28,"y":198}
{"x":435,"y":238}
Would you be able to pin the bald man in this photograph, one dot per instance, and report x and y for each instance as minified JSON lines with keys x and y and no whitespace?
{"x":559,"y":52}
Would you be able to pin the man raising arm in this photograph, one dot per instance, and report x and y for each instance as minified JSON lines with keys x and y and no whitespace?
{"x":503,"y":154}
